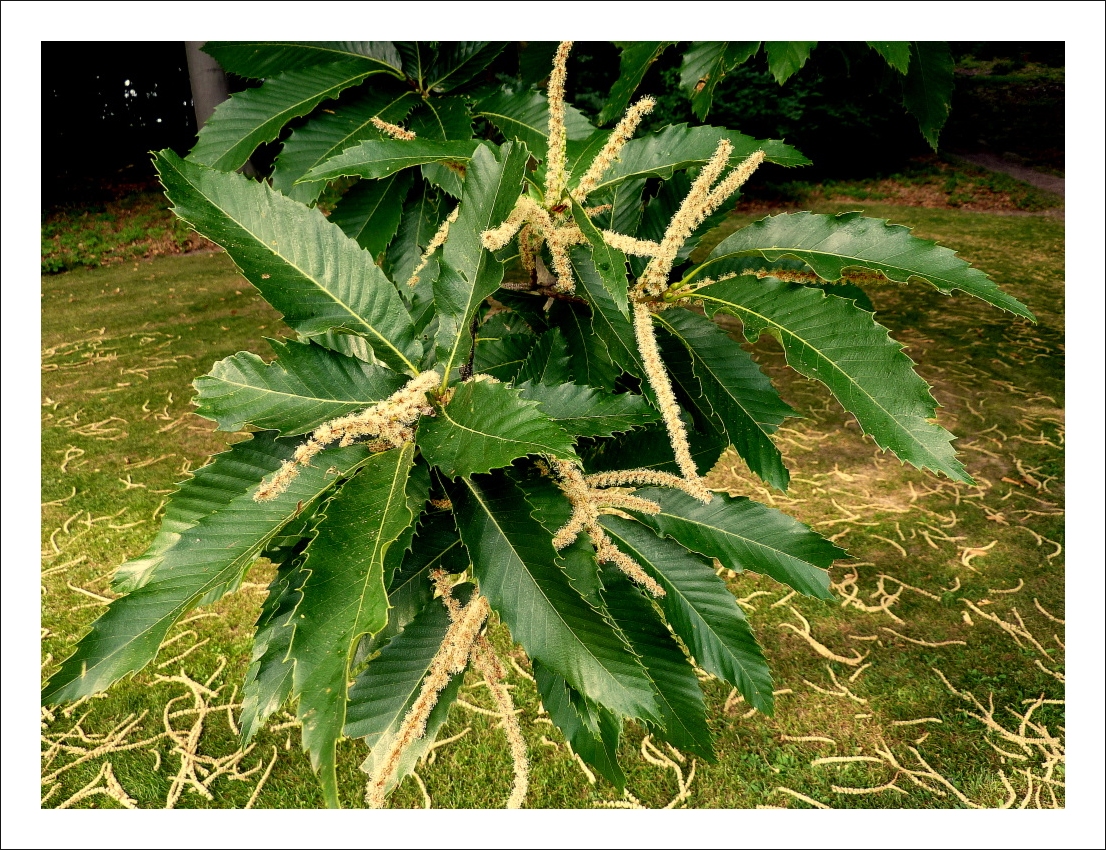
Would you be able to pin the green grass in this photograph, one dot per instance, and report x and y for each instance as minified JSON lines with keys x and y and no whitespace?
{"x":930,"y":181}
{"x":137,"y":225}
{"x":121,"y":345}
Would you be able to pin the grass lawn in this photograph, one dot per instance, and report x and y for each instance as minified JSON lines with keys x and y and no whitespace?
{"x":935,"y":681}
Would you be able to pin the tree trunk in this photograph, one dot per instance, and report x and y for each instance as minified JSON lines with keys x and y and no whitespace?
{"x":209,"y":88}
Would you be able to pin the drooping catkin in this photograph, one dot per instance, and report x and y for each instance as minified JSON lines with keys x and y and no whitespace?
{"x":555,"y":160}
{"x":606,"y":157}
{"x":670,"y":410}
{"x":607,"y":553}
{"x":451,"y":658}
{"x":488,"y":665}
{"x":436,"y":242}
{"x":689,"y":216}
{"x":390,"y":421}
{"x":393,"y":130}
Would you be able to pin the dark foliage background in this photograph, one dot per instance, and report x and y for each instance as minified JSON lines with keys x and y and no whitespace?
{"x":115,"y":101}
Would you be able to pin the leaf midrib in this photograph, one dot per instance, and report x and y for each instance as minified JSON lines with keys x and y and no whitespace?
{"x":717,"y":380}
{"x":691,"y":606}
{"x":338,"y":145}
{"x":287,"y":394}
{"x":280,"y":117}
{"x":823,"y":358}
{"x":445,"y":415}
{"x":303,"y":273}
{"x":400,"y":464}
{"x":762,"y":546}
{"x":343,"y":54}
{"x":875,"y":265}
{"x":537,"y":586}
{"x":475,"y":279}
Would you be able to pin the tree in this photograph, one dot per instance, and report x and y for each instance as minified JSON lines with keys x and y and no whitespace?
{"x":440,"y":444}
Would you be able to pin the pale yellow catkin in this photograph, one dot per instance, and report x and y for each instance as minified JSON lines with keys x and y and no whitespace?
{"x":555,"y":160}
{"x":436,"y":242}
{"x":451,"y":658}
{"x":670,"y":410}
{"x":586,"y":505}
{"x":606,"y":157}
{"x":393,"y":130}
{"x":488,"y":665}
{"x":689,"y":216}
{"x":630,"y":245}
{"x":390,"y":421}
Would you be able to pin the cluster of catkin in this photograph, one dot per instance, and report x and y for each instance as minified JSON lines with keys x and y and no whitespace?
{"x":388,"y":423}
{"x":550,"y":222}
{"x":463,"y":642}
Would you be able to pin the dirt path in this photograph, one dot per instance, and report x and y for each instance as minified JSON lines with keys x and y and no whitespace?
{"x":1048,"y":182}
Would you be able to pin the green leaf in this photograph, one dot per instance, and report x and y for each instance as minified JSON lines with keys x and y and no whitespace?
{"x":381,"y":157}
{"x":650,"y":448}
{"x":305,"y":386}
{"x":344,"y":597}
{"x":744,"y":534}
{"x":626,"y":203}
{"x":529,"y":308}
{"x":443,"y":118}
{"x":831,"y":244}
{"x":423,"y":213}
{"x":417,"y":493}
{"x":587,"y":354}
{"x":609,"y":262}
{"x":587,"y":412}
{"x":547,"y":362}
{"x":417,"y":57}
{"x":895,"y":53}
{"x":385,"y":690}
{"x":700,"y":609}
{"x":459,"y":62}
{"x":785,"y":58}
{"x":705,"y":64}
{"x":590,"y":730}
{"x":502,"y":357}
{"x":612,"y":327}
{"x":469,"y":272}
{"x":268,"y":682}
{"x":535,"y":61}
{"x":331,"y":131}
{"x":212,"y":488}
{"x":731,"y":384}
{"x":512,"y":558}
{"x":436,"y":545}
{"x":927,"y":89}
{"x":525,"y":117}
{"x":301,"y":263}
{"x":485,"y":426}
{"x":682,"y":711}
{"x":679,"y":147}
{"x":207,"y":561}
{"x":369,"y":213}
{"x":256,"y":116}
{"x":634,"y":61}
{"x":262,"y":59}
{"x":831,"y":340}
